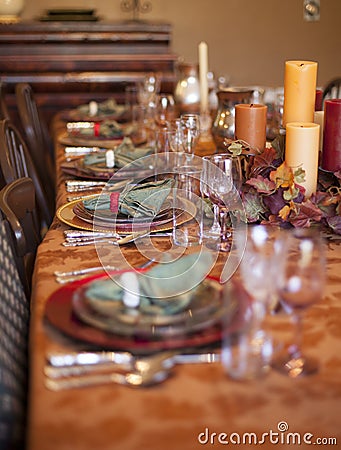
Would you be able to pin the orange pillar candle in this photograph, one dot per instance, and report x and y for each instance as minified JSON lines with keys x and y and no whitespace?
{"x":302,"y":150}
{"x":331,"y":153}
{"x":299,"y":91}
{"x":250,"y":124}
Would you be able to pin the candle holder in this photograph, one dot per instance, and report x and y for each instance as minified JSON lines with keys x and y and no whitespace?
{"x":205,"y":126}
{"x":136,"y":6}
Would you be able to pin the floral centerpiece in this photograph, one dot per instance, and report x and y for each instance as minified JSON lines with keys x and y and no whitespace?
{"x":272,"y":192}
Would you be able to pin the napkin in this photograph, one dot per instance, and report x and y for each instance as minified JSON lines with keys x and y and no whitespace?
{"x":166,"y":289}
{"x":125,"y":153}
{"x":106,"y":108}
{"x":141,"y":200}
{"x":105,"y":129}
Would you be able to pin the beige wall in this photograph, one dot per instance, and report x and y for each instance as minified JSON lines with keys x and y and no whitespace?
{"x":248,"y":40}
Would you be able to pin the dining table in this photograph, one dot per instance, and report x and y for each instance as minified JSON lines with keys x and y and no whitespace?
{"x":198,"y":405}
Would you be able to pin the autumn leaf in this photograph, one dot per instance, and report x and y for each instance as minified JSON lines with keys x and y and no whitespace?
{"x":253,"y":206}
{"x":262,"y":185}
{"x":284,"y":212}
{"x":299,"y":175}
{"x":282,"y":176}
{"x":307,"y":212}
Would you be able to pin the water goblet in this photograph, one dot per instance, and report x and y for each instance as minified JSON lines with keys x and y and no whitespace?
{"x":175,"y":140}
{"x":190,"y":128}
{"x":224,"y":183}
{"x":214,"y":230}
{"x":165,"y":109}
{"x":301,"y":279}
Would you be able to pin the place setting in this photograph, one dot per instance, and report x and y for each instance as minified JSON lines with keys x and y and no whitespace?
{"x":122,"y":160}
{"x":96,"y":111}
{"x":144,"y":311}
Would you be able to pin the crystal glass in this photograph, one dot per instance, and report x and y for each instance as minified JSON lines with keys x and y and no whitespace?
{"x":214,"y":230}
{"x":190,"y":128}
{"x":175,"y":140}
{"x":148,"y":89}
{"x":300,"y":284}
{"x":224,"y":183}
{"x":165,"y":109}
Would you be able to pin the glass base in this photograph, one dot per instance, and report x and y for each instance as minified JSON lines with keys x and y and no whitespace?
{"x":295,"y":366}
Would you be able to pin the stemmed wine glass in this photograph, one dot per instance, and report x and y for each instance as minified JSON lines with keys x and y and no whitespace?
{"x":224,"y":183}
{"x":214,"y":230}
{"x":190,"y":128}
{"x":301,"y":280}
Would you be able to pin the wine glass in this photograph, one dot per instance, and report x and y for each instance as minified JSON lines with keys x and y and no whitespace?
{"x":148,"y":89}
{"x":224,"y":183}
{"x":214,"y":230}
{"x":175,"y":140}
{"x":190,"y":128}
{"x":301,"y":280}
{"x":165,"y":109}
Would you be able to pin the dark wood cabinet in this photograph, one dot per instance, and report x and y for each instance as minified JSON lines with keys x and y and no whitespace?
{"x":69,"y":63}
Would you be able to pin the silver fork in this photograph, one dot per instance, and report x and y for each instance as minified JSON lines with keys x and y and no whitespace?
{"x":73,"y":275}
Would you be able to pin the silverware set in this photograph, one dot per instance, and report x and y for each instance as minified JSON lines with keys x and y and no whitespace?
{"x":64,"y":277}
{"x":85,"y":369}
{"x":85,"y":185}
{"x":83,"y":238}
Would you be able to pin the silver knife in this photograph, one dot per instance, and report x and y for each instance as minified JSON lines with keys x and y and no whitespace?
{"x":88,"y":358}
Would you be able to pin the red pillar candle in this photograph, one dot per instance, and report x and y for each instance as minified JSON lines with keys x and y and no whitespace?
{"x":318,"y":100}
{"x":331,"y":154}
{"x":250,"y":124}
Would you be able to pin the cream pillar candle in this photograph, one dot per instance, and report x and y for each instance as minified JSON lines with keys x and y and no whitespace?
{"x":250,"y":124}
{"x":319,"y":119}
{"x":302,"y":150}
{"x":299,"y":91}
{"x":203,"y":70}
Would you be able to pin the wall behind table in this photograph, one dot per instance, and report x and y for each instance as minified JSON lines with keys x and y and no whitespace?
{"x":248,"y":40}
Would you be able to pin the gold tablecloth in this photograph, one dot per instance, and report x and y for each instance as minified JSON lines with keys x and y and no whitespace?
{"x":195,"y":406}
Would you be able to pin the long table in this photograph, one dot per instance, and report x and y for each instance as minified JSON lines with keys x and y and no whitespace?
{"x":198,"y":405}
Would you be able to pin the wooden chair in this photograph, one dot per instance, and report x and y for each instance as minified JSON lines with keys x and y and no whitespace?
{"x":4,"y":113}
{"x":332,"y":89}
{"x":17,"y":205}
{"x":37,"y":138}
{"x":14,"y":322}
{"x":16,"y":162}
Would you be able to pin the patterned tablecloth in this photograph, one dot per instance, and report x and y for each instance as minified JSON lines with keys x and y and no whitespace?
{"x":197,"y":407}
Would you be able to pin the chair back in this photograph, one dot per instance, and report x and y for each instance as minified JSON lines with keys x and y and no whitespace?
{"x":16,"y":162}
{"x":332,"y":89}
{"x":17,"y":205}
{"x":37,"y":137}
{"x":14,"y":322}
{"x":4,"y":113}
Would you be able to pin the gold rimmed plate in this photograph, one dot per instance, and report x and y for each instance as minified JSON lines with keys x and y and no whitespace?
{"x":66,"y":214}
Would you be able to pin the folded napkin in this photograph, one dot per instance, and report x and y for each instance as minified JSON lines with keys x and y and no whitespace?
{"x":106,"y":108}
{"x":166,"y":289}
{"x":105,"y":129}
{"x":141,"y":200}
{"x":125,"y":153}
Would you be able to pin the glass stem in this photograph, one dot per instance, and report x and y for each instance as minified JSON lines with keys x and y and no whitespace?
{"x":296,"y":351}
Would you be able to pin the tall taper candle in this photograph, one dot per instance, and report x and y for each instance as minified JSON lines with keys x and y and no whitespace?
{"x":299,"y":91}
{"x":331,"y":153}
{"x":302,"y":150}
{"x":203,"y":70}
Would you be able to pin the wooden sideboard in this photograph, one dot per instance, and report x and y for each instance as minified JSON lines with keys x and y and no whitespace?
{"x":69,"y":63}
